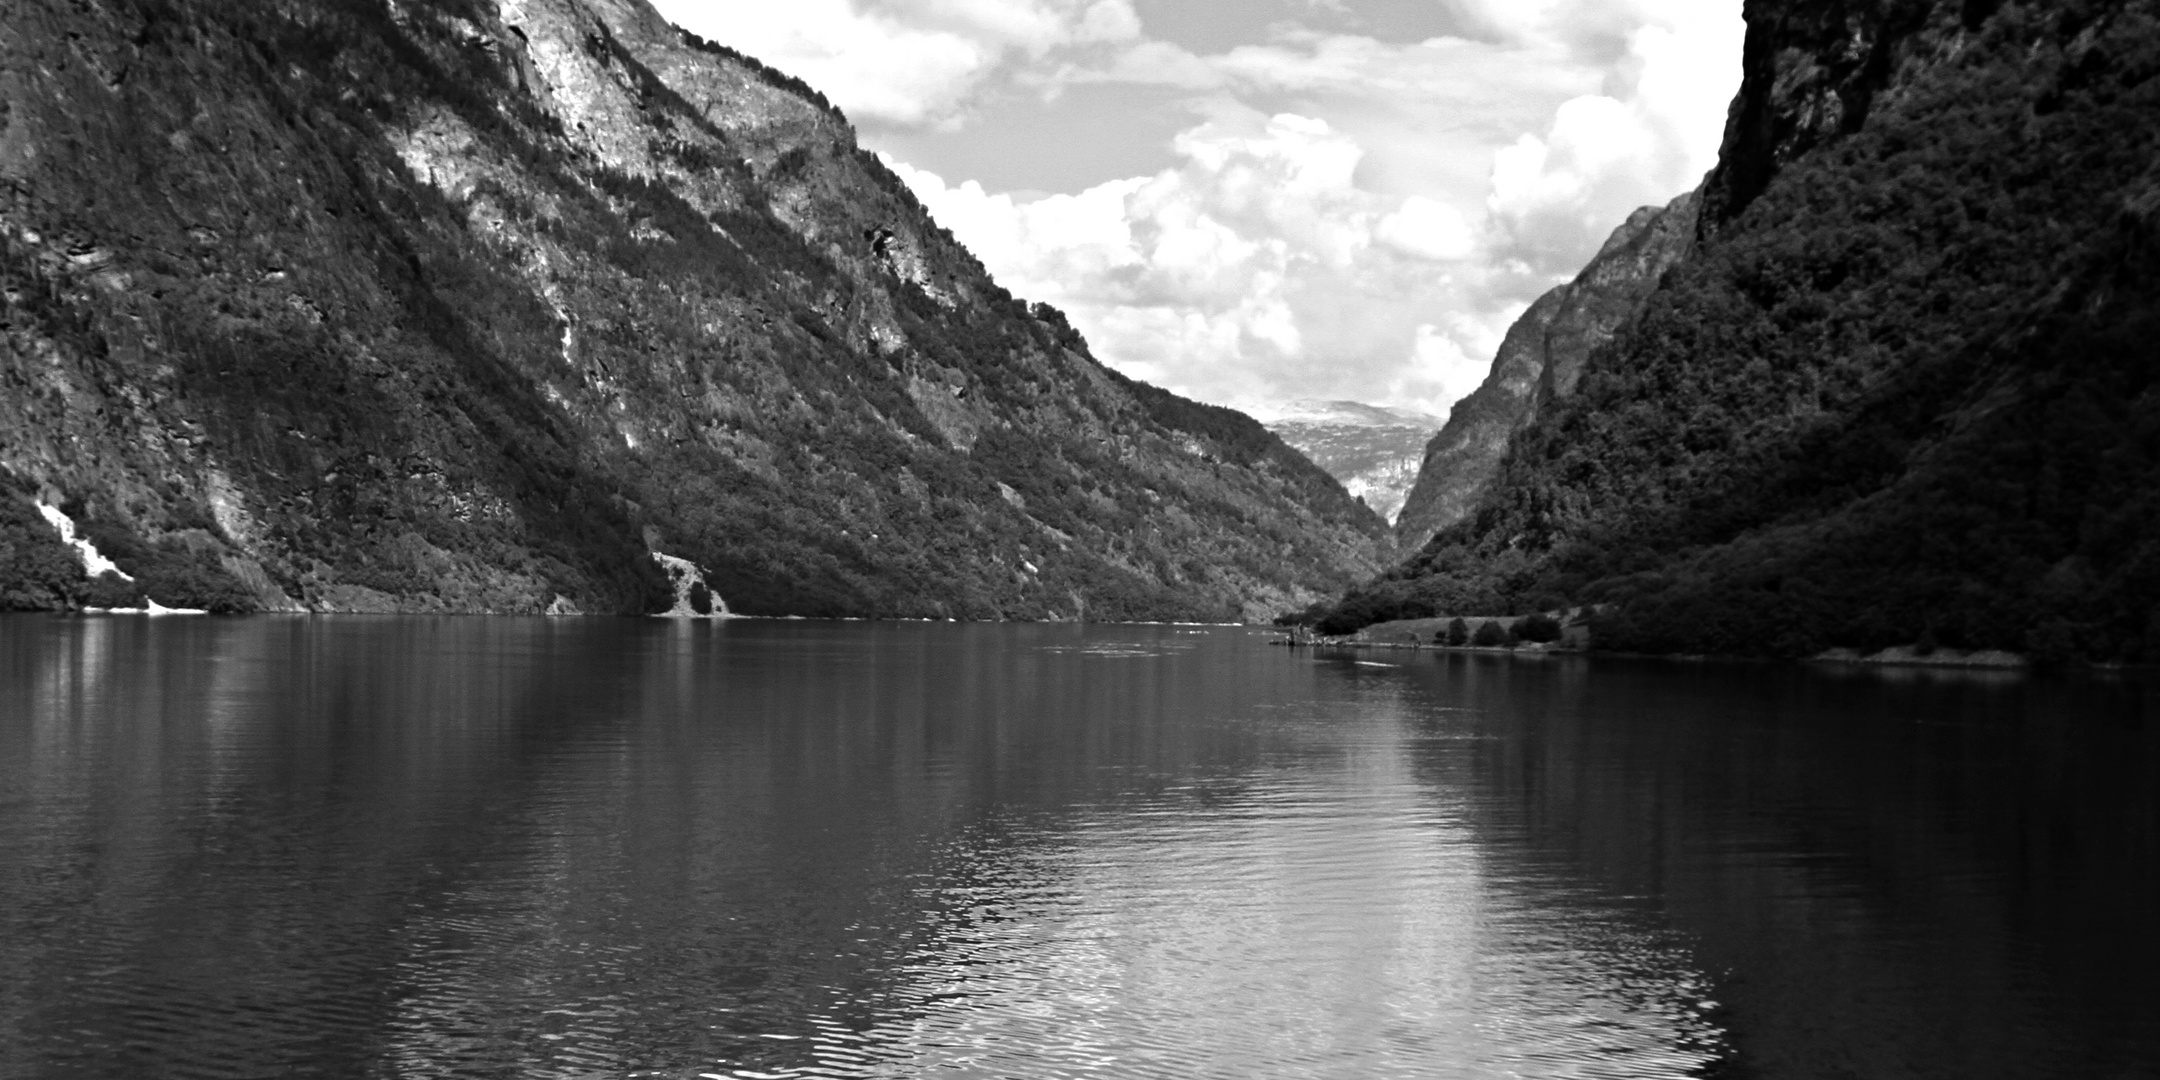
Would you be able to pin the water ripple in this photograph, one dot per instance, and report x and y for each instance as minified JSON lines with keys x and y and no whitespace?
{"x":574,"y":849}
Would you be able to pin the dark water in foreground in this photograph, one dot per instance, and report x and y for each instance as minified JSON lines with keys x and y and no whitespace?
{"x":595,"y":848}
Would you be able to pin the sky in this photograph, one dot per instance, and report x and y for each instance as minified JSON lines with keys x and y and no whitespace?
{"x":1269,"y":201}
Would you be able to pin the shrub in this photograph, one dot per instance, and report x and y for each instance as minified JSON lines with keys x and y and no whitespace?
{"x":1539,"y":628}
{"x":769,"y":76}
{"x":37,"y":571}
{"x":2052,"y":644}
{"x":185,"y":579}
{"x":109,"y":590}
{"x":168,"y":571}
{"x":1490,"y":634}
{"x":1306,"y":616}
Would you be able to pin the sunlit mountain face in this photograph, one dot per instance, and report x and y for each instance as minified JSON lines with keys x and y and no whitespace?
{"x":552,"y":307}
{"x":1374,"y":450}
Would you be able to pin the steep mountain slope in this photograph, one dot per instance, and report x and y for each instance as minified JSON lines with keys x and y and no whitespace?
{"x":1540,"y":360}
{"x":380,"y":305}
{"x":1373,"y":450}
{"x":1903,"y":389}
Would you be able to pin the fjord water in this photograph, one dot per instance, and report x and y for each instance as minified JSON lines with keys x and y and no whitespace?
{"x":417,"y":847}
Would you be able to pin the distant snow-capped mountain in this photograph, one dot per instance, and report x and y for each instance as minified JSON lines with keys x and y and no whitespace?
{"x":1374,"y":450}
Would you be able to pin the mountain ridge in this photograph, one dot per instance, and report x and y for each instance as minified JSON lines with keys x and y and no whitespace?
{"x":1373,"y":449}
{"x":1539,"y":361}
{"x":479,"y":307}
{"x":1902,"y":390}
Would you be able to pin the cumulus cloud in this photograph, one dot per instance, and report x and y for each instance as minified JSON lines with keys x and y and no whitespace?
{"x":1479,"y":82}
{"x":1344,"y":216}
{"x":1446,"y":361}
{"x":1428,"y":229}
{"x":1556,"y":195}
{"x":1254,"y":271}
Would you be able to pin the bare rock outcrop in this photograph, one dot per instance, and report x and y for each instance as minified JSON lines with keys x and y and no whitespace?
{"x":475,"y":306}
{"x":1539,"y":361}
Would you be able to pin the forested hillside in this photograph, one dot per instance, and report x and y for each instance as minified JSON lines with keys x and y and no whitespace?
{"x":346,"y":305}
{"x":1903,"y":389}
{"x":1540,"y":361}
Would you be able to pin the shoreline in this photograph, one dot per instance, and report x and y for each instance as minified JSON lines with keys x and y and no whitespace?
{"x":1897,"y":656}
{"x":1904,"y":656}
{"x":1900,"y":656}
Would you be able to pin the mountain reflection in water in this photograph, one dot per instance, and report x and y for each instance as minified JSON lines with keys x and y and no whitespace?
{"x":593,"y":847}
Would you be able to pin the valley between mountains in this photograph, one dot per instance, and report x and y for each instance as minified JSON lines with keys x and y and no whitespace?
{"x":527,"y":306}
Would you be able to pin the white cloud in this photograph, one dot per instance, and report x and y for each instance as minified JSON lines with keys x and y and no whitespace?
{"x":1381,"y":290}
{"x":1555,"y":196}
{"x":1472,"y":77}
{"x":1427,"y":229}
{"x":1514,"y":19}
{"x":1109,"y":20}
{"x":1254,"y":271}
{"x":1447,"y":363}
{"x":1437,"y":357}
{"x":902,"y":61}
{"x":1353,"y":218}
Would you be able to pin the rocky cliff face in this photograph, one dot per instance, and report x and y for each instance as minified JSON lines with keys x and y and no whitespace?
{"x":1373,"y":450}
{"x":1539,"y":361}
{"x":380,"y":305}
{"x":1902,"y":390}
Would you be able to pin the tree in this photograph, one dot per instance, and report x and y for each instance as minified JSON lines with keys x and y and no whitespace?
{"x":1458,"y":632}
{"x":1540,"y":628}
{"x":37,"y":571}
{"x":110,"y":590}
{"x":1490,"y":634}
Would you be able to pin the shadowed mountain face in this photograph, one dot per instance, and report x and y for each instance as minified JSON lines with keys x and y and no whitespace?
{"x":1373,"y":450}
{"x":1903,"y":387}
{"x":352,"y":305}
{"x":1539,"y":361}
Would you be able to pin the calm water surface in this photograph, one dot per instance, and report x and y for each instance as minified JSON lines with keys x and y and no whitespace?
{"x":410,"y":847}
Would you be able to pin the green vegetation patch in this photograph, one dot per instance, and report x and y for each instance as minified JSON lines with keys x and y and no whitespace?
{"x":37,"y":571}
{"x":1909,"y":390}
